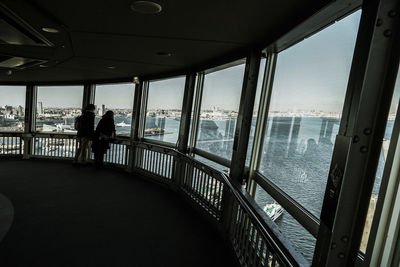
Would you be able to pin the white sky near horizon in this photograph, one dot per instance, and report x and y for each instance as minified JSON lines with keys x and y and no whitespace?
{"x":60,"y":96}
{"x":312,"y":74}
{"x":166,"y":94}
{"x":115,"y":96}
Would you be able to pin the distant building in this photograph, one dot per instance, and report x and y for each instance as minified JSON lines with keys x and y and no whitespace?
{"x":40,"y":108}
{"x":9,"y":110}
{"x":20,"y":111}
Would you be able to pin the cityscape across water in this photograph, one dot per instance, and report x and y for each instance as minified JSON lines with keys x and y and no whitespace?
{"x":296,"y":154}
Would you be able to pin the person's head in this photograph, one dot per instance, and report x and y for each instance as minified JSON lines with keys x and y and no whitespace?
{"x":90,"y":108}
{"x":108,"y":115}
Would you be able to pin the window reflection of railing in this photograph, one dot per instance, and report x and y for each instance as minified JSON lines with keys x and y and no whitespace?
{"x":255,"y":239}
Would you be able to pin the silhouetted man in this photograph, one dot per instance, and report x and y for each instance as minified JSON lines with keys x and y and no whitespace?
{"x":85,"y":127}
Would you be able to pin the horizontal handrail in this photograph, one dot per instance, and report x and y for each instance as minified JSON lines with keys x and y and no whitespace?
{"x":269,"y":230}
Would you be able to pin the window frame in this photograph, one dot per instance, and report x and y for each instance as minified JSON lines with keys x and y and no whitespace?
{"x":143,"y":112}
{"x":35,"y":102}
{"x":198,"y":99}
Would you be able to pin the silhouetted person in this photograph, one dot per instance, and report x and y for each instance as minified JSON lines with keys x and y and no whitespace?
{"x":312,"y":151}
{"x":105,"y":130}
{"x":85,"y":127}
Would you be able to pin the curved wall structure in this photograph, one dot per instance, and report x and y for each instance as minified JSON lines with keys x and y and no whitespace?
{"x":305,"y":119}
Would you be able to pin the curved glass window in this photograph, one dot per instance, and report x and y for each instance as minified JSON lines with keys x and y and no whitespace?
{"x":57,"y":107}
{"x":12,"y":108}
{"x":305,"y":110}
{"x":219,"y":110}
{"x":164,"y":107}
{"x":119,"y":99}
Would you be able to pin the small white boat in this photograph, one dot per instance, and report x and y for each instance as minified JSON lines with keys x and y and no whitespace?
{"x":122,"y":124}
{"x":273,"y":210}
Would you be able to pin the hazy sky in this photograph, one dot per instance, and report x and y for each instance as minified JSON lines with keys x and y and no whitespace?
{"x":312,"y":74}
{"x":60,"y":96}
{"x":12,"y":95}
{"x":115,"y":95}
{"x":166,"y":94}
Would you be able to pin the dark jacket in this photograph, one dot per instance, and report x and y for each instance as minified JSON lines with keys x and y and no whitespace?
{"x":106,"y":127}
{"x":87,"y":125}
{"x":104,"y":131}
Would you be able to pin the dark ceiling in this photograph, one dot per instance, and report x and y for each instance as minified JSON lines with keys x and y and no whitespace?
{"x":106,"y":40}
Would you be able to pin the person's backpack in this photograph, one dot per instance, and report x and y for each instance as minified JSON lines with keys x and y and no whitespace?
{"x":78,"y":123}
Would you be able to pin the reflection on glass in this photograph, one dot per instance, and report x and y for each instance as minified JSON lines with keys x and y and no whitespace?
{"x":57,"y":108}
{"x":305,"y":109}
{"x":12,"y":108}
{"x":255,"y":110}
{"x":219,"y":110}
{"x":164,"y":106}
{"x":212,"y":164}
{"x":119,"y":99}
{"x":302,"y":240}
{"x":381,"y":165}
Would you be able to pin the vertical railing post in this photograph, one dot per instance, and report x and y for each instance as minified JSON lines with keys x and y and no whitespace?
{"x":228,"y":208}
{"x":243,"y":125}
{"x":135,"y":124}
{"x":184,"y":127}
{"x":241,"y":137}
{"x":30,"y":118}
{"x":358,"y":144}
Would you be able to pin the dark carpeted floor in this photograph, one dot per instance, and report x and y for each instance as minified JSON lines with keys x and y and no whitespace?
{"x":68,"y":216}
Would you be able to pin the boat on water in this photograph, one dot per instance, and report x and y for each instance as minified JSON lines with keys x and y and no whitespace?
{"x":273,"y":210}
{"x":122,"y":124}
{"x":153,"y":131}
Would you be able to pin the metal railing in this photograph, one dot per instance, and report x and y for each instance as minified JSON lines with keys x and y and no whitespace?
{"x":254,"y":237}
{"x":11,"y":144}
{"x":204,"y":185}
{"x":155,"y":160}
{"x":256,"y":240}
{"x":54,"y":145}
{"x":118,"y":154}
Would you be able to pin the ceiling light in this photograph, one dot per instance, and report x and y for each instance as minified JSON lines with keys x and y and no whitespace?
{"x":163,"y":54}
{"x":42,"y":66}
{"x":146,"y":7}
{"x":136,"y":80}
{"x":50,"y":30}
{"x":111,"y":67}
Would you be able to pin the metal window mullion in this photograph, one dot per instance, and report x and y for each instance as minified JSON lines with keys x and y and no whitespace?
{"x":384,"y":205}
{"x":262,"y":118}
{"x":196,"y":111}
{"x":187,"y":104}
{"x":245,"y":114}
{"x":143,"y":110}
{"x":357,"y":146}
